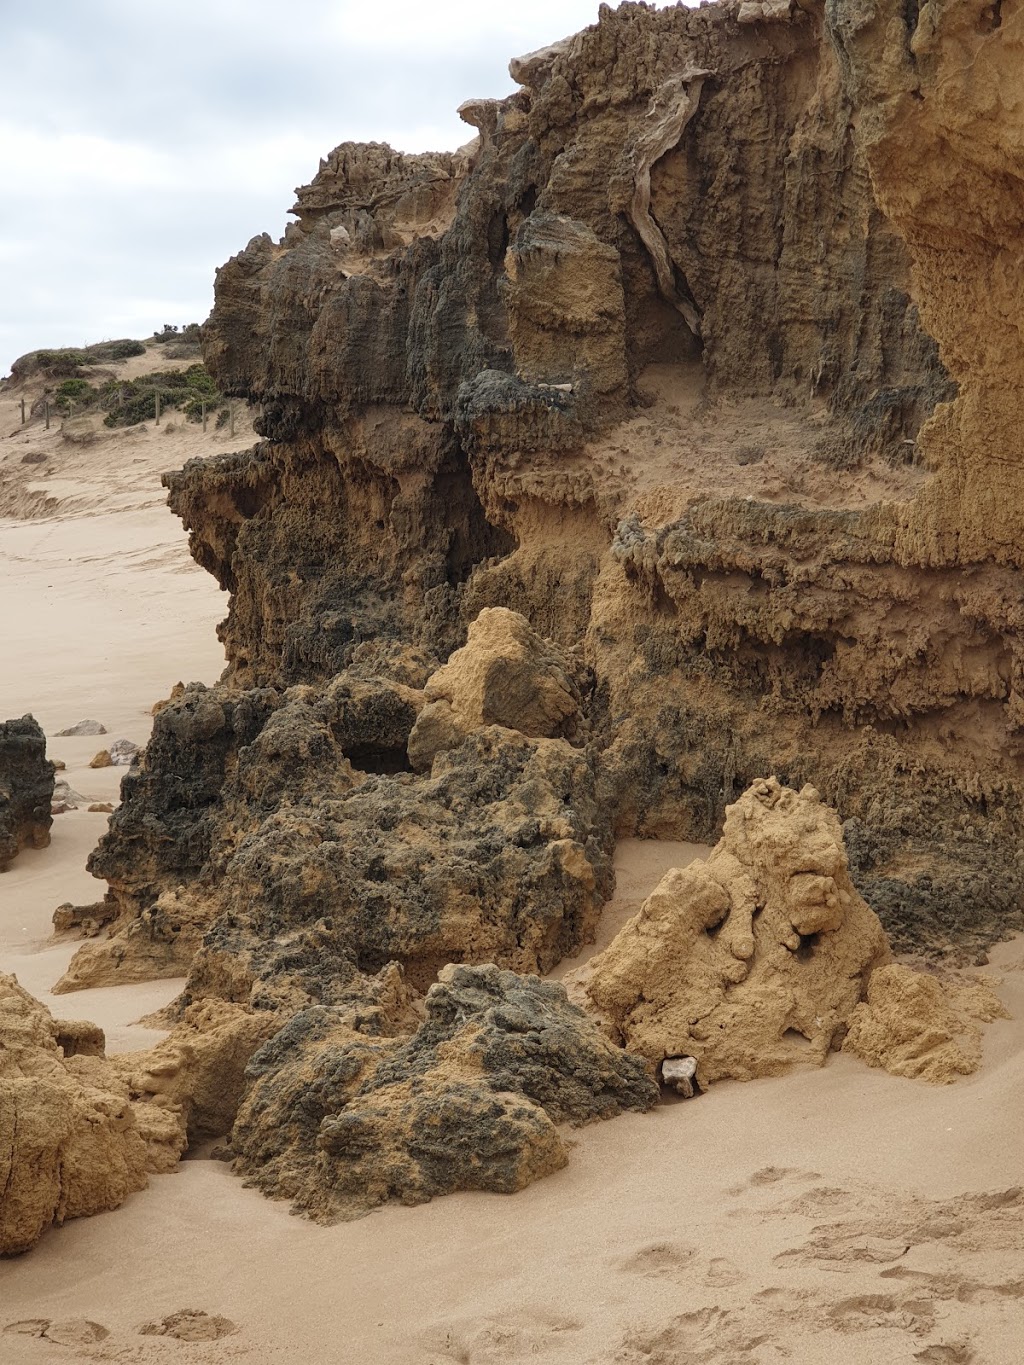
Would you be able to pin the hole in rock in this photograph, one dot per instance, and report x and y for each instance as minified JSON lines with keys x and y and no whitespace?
{"x":796,"y":1039}
{"x":527,"y":201}
{"x":420,"y":973}
{"x":378,"y":758}
{"x":808,"y":943}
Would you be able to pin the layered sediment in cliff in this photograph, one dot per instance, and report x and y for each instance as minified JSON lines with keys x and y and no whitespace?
{"x":644,"y":362}
{"x":687,"y":359}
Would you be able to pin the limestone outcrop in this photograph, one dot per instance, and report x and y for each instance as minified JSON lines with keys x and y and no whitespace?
{"x":752,"y":960}
{"x":664,"y":436}
{"x":296,"y":870}
{"x":645,"y":363}
{"x":72,"y":1143}
{"x":26,"y":788}
{"x":506,"y":675}
{"x":342,"y":1115}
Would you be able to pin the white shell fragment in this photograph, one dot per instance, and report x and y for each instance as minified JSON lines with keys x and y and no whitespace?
{"x":680,"y":1073}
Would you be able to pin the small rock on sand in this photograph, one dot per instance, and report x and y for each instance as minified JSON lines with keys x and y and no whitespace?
{"x":65,"y":797}
{"x":101,"y":760}
{"x":101,"y":807}
{"x":83,"y":727}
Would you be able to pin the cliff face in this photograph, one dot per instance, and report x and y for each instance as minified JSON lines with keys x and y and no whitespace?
{"x":694,"y":359}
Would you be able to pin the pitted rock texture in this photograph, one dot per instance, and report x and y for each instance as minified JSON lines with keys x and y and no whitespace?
{"x":340,"y":1116}
{"x":26,"y":788}
{"x":292,"y":869}
{"x":72,"y":1143}
{"x":636,"y":382}
{"x":707,"y":457}
{"x":751,"y":960}
{"x":505,"y":674}
{"x":922,"y":1027}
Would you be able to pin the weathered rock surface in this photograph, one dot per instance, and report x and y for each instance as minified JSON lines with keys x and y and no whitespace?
{"x":678,"y":413}
{"x":751,"y":960}
{"x":198,"y":1070}
{"x":26,"y":788}
{"x":80,"y":1131}
{"x":83,"y":727}
{"x":342,"y":1115}
{"x":505,"y":674}
{"x":645,"y":365}
{"x":71,"y":1142}
{"x":294,"y":869}
{"x":918,"y":1026}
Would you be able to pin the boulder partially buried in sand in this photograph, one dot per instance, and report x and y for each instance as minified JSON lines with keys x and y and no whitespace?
{"x":919,"y":1026}
{"x":80,"y":1131}
{"x":749,"y":961}
{"x":71,"y":1141}
{"x":340,"y":1116}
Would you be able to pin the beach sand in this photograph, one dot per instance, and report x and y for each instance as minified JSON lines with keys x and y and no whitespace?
{"x":835,"y":1215}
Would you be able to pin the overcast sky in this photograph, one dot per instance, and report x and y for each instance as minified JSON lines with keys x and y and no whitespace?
{"x":141,"y":145}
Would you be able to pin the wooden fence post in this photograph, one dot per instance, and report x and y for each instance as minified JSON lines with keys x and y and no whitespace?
{"x":204,"y":414}
{"x":46,"y":410}
{"x":156,"y":407}
{"x":23,"y":412}
{"x":231,"y":410}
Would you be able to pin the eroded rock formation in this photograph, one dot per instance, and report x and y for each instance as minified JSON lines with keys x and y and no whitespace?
{"x":72,"y":1143}
{"x":917,"y":1026}
{"x":342,"y":1114}
{"x":691,"y":360}
{"x":26,"y":788}
{"x":749,"y":961}
{"x":480,"y":389}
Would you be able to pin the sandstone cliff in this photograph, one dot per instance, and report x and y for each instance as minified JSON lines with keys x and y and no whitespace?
{"x":691,"y":361}
{"x":648,"y":362}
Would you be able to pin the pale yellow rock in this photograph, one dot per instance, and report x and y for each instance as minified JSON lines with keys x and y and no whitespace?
{"x":198,"y":1070}
{"x":752,"y":960}
{"x":505,"y":674}
{"x":69,"y":1141}
{"x":919,"y":1026}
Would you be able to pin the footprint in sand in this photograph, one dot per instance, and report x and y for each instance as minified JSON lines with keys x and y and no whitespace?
{"x":190,"y":1324}
{"x":835,"y":1251}
{"x":709,"y":1336}
{"x":499,"y":1339}
{"x":62,"y":1331}
{"x":956,"y":1353}
{"x":657,"y":1259}
{"x":772,"y":1175}
{"x":955,"y":1286}
{"x":867,"y":1312}
{"x":721,"y":1272}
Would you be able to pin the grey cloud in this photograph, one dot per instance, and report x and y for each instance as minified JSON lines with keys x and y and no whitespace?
{"x":208,"y":90}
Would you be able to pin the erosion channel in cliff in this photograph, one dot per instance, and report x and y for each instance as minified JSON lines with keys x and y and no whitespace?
{"x":634,"y":452}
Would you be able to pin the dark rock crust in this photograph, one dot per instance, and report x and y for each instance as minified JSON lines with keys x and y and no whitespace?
{"x":26,"y":788}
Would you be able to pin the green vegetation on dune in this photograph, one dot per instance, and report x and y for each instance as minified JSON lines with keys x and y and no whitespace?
{"x":127,"y":402}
